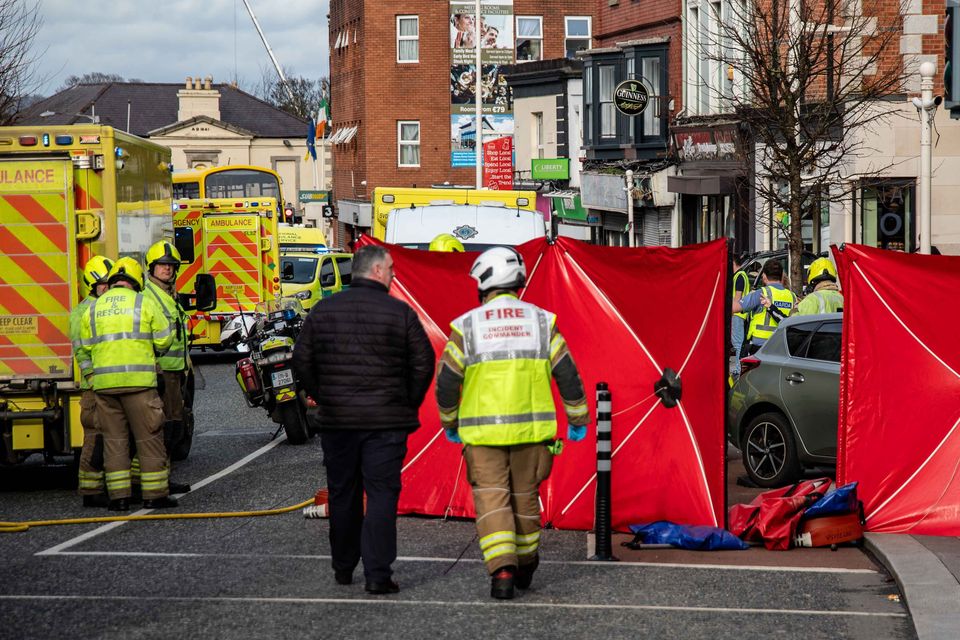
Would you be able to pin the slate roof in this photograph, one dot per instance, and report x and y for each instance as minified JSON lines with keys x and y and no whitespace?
{"x":154,"y":106}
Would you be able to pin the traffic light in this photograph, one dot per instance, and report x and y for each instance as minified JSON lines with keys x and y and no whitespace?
{"x":951,"y":59}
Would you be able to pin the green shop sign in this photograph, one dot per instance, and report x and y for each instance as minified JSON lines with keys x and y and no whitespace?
{"x":550,"y":168}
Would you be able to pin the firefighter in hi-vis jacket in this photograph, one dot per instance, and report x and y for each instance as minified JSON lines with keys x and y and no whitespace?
{"x":121,"y":336}
{"x":494,"y":395}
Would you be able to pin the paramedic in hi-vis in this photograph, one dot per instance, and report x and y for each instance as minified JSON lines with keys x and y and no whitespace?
{"x":494,"y":395}
{"x":90,"y":480}
{"x":163,"y":261}
{"x":121,"y":336}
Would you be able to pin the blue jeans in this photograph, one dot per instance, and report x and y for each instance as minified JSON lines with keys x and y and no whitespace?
{"x":737,"y":330}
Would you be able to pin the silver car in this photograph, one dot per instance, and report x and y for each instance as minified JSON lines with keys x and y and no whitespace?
{"x":783,"y":410}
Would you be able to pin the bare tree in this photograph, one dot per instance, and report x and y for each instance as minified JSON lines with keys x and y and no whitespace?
{"x":19,"y":24}
{"x":94,"y":77}
{"x":307,"y":94}
{"x":806,"y":77}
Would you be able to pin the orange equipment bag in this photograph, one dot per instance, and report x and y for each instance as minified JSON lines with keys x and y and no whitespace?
{"x":829,"y":530}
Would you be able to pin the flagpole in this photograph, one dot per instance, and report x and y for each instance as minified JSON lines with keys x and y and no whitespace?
{"x":478,"y":96}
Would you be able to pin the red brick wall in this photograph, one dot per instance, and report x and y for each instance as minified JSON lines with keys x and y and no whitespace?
{"x":371,"y":89}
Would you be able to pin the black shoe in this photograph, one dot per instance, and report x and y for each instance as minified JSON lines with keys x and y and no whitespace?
{"x":97,"y":500}
{"x":119,"y":504}
{"x":382,"y":588}
{"x":179,"y":487}
{"x":166,"y":502}
{"x":524,"y":575}
{"x":501,"y":584}
{"x":343,"y":576}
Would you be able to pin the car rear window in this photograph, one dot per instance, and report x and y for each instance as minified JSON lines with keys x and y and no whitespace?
{"x":798,"y":336}
{"x":825,"y":343}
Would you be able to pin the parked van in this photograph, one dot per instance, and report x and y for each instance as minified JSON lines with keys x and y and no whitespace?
{"x":478,"y":227}
{"x":311,"y":276}
{"x":296,"y":237}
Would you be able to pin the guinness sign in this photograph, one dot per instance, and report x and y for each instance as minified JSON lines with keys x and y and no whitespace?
{"x":631,"y":97}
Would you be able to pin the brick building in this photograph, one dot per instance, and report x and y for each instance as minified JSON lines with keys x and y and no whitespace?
{"x":393,"y":77}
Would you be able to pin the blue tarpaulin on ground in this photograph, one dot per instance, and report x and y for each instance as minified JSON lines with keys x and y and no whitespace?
{"x":696,"y":538}
{"x":837,"y":502}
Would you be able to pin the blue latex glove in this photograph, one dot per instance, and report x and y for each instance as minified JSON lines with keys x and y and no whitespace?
{"x":452,"y":436}
{"x":575,"y":433}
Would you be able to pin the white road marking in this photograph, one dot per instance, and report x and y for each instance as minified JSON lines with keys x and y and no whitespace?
{"x":584,"y":563}
{"x":196,"y":485}
{"x":456,"y":603}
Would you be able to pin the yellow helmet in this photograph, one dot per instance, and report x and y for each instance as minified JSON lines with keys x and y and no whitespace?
{"x":821,"y":268}
{"x":446,"y":242}
{"x":95,"y":272}
{"x":127,"y":269}
{"x":162,"y":253}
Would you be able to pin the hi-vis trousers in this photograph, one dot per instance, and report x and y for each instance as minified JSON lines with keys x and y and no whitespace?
{"x":90,"y":481}
{"x":506,"y":490}
{"x":140,"y":413}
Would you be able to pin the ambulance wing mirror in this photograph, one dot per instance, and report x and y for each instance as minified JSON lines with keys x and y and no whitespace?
{"x":206,"y":289}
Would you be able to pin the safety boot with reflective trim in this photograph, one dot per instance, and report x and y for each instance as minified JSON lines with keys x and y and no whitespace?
{"x":501,"y":584}
{"x":166,"y":502}
{"x":524,"y":575}
{"x":119,"y":504}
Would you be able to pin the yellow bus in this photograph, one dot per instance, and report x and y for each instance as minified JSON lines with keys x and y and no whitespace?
{"x":231,"y":181}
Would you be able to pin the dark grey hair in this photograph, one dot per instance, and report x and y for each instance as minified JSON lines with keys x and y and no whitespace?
{"x":366,"y":257}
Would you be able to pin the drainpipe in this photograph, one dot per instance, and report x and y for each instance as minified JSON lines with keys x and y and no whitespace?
{"x":632,"y":238}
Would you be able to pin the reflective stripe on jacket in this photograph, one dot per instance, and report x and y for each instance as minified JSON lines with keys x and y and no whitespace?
{"x":176,"y":358}
{"x":741,"y":275}
{"x":122,"y":332}
{"x":762,"y":322}
{"x":507,"y":398}
{"x":77,"y":316}
{"x":826,"y":300}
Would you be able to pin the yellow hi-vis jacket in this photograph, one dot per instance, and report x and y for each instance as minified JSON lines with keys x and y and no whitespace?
{"x":177,"y":357}
{"x":508,"y":353}
{"x":763,"y":322}
{"x":77,"y":316}
{"x":741,"y":275}
{"x":122,"y":333}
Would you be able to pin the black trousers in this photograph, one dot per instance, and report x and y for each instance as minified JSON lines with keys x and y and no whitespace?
{"x":359,"y":462}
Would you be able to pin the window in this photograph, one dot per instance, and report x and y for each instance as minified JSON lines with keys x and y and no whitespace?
{"x":650,"y":71}
{"x":186,"y":190}
{"x":825,"y":344}
{"x":408,"y":39}
{"x":798,"y":336}
{"x":529,"y":38}
{"x":537,"y":136}
{"x":408,"y":143}
{"x":577,"y":34}
{"x":346,"y":269}
{"x":887,"y":215}
{"x":298,"y":270}
{"x":183,"y":241}
{"x":608,"y":113}
{"x":328,"y":276}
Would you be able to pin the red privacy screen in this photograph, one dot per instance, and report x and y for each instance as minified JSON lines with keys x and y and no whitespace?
{"x":900,"y":388}
{"x":627,"y":314}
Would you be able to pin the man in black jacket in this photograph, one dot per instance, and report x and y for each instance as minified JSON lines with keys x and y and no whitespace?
{"x":365,"y":359}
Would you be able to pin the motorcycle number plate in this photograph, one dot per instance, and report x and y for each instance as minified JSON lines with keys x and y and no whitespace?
{"x":282,"y":378}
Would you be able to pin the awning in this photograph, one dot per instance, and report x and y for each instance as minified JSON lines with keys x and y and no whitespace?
{"x":567,"y":205}
{"x":701,"y":185}
{"x":343,"y":135}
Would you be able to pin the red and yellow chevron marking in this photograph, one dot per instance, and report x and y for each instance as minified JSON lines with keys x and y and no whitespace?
{"x":35,"y":294}
{"x":232,"y":258}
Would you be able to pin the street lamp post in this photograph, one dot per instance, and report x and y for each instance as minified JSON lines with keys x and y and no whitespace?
{"x":94,"y":119}
{"x":927,"y":108}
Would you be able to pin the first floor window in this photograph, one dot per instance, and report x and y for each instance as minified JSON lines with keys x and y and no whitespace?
{"x":887,"y":215}
{"x":577,"y":33}
{"x":529,"y":38}
{"x":408,"y":142}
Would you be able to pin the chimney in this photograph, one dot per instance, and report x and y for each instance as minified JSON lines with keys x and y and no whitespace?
{"x":198,"y":98}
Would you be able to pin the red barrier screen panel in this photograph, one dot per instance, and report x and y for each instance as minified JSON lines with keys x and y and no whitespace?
{"x":900,"y":388}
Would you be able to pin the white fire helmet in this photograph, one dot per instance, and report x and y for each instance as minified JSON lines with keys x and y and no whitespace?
{"x":499,"y":268}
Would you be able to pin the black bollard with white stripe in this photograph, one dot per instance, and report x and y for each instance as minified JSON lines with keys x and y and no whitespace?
{"x":602,"y":519}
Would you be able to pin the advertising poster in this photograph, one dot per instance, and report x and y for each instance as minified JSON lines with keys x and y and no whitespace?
{"x":498,"y":163}
{"x":497,"y":49}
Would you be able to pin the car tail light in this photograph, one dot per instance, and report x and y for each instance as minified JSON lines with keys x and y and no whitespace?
{"x":748,"y":364}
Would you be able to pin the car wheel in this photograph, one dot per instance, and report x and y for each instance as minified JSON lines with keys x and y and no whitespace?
{"x":770,"y":452}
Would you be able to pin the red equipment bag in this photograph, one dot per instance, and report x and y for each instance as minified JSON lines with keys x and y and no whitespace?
{"x":772,"y":517}
{"x":829,"y":530}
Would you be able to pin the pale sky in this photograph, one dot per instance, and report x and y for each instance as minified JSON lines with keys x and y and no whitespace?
{"x":168,"y":40}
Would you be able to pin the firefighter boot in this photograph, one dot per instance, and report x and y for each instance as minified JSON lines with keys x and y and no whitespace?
{"x":178,"y":487}
{"x":166,"y":502}
{"x":119,"y":504}
{"x":501,"y":584}
{"x":524,"y":574}
{"x":96,"y":500}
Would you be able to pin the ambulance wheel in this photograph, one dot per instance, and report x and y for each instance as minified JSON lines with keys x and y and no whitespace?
{"x":293,"y":421}
{"x":770,"y":451}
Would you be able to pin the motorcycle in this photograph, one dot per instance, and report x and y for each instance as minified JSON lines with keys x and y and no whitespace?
{"x":266,"y":376}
